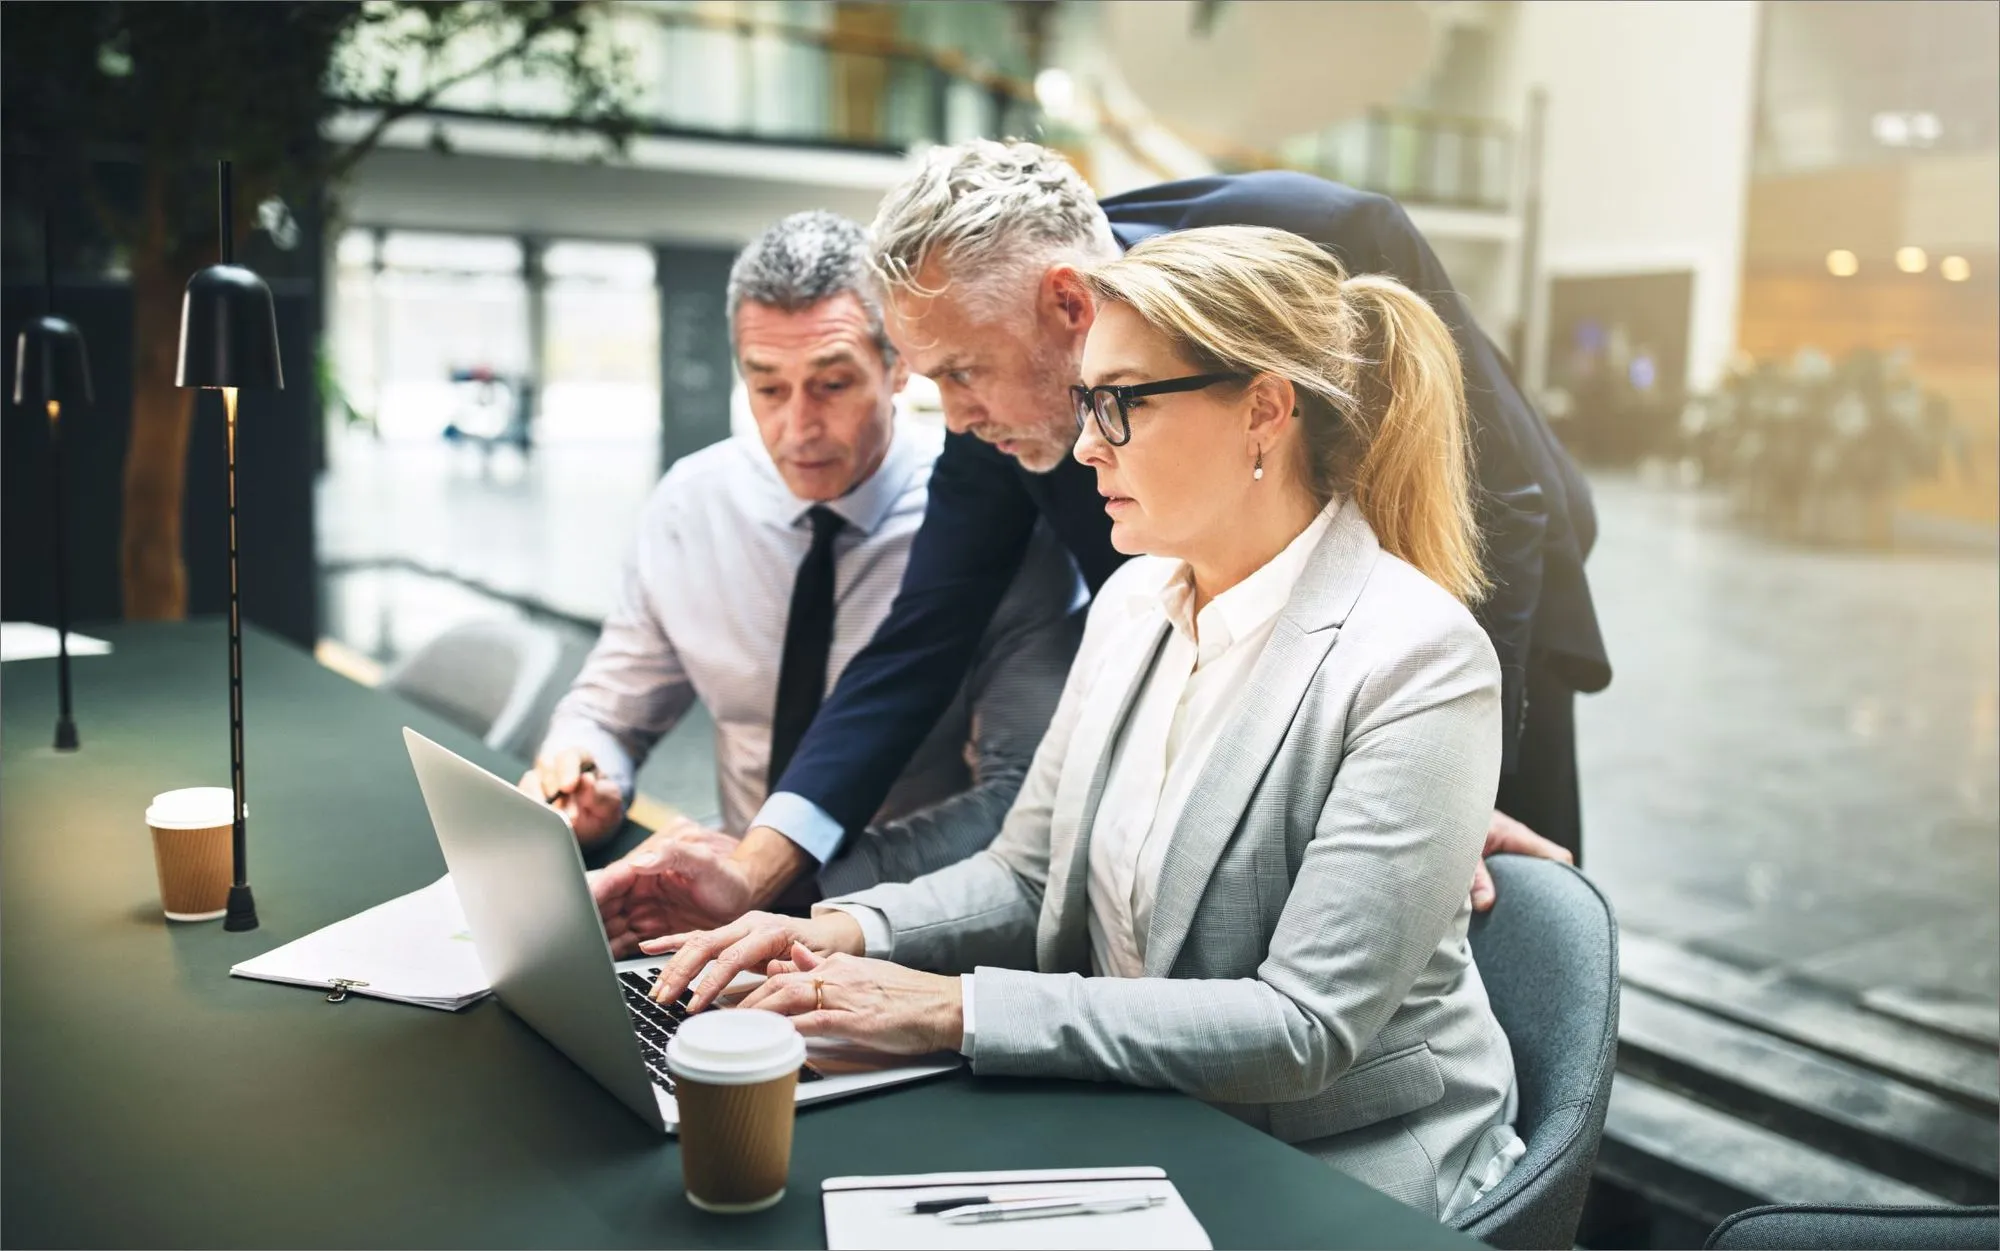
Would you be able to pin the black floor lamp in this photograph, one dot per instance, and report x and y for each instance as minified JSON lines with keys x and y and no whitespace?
{"x":52,"y":372}
{"x":229,"y":342}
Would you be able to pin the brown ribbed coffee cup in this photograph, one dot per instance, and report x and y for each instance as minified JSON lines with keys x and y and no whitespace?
{"x":735,"y":1074}
{"x":191,"y":849}
{"x":736,"y":1142}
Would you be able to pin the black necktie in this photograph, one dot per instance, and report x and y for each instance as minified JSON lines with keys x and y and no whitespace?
{"x":808,"y":638}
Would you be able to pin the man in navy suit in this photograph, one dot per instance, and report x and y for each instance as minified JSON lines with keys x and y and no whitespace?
{"x":980,"y":253}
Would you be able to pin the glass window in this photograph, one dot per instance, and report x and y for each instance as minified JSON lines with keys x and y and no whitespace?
{"x":602,"y":345}
{"x":438,"y":305}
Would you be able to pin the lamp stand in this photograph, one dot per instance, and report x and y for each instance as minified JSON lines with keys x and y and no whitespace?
{"x":229,"y":340}
{"x":242,"y":914}
{"x":65,"y":723}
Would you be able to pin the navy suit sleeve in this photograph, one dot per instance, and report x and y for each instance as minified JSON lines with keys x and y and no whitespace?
{"x":1513,"y":509}
{"x":964,"y":557}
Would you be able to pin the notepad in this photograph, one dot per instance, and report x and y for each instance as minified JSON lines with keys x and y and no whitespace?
{"x":413,"y":949}
{"x":874,"y":1212}
{"x":26,"y":640}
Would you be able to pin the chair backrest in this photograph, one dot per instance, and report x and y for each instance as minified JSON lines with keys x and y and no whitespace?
{"x":1805,"y":1225}
{"x":486,"y":677}
{"x":1548,"y":953}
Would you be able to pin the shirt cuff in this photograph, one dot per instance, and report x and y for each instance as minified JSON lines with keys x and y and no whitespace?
{"x":612,"y":759}
{"x":877,"y":939}
{"x":804,"y":822}
{"x":965,"y":1010}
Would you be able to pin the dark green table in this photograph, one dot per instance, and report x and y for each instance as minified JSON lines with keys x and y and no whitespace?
{"x":149,"y":1099}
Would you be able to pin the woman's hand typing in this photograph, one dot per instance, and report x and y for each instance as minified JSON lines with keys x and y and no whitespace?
{"x":877,"y":1003}
{"x":747,"y":944}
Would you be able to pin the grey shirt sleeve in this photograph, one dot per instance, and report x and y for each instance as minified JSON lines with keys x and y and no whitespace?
{"x":1016,"y":681}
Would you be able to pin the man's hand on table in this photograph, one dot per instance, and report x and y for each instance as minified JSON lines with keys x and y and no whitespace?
{"x":1506,"y":835}
{"x":714,"y":879}
{"x":687,"y":878}
{"x":570,"y":782}
{"x":636,"y":903}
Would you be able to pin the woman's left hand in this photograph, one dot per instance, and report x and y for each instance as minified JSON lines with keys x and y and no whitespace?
{"x":876,"y":1003}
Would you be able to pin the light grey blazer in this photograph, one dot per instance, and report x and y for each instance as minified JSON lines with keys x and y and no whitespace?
{"x":1306,"y":960}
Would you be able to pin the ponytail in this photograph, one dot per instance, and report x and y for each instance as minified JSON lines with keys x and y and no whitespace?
{"x":1413,"y":477}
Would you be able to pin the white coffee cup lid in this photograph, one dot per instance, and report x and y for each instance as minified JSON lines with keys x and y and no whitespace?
{"x":735,"y":1047}
{"x":196,"y":808}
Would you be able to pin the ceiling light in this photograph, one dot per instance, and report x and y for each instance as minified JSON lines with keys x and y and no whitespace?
{"x":1955,"y":268}
{"x":1912,"y":260}
{"x":1055,"y":91}
{"x":1841,"y":263}
{"x":1899,"y":129}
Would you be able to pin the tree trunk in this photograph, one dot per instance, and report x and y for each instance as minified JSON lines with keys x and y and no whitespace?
{"x":155,"y":576}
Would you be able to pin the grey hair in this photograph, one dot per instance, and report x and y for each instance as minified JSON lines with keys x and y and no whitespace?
{"x":804,"y":259}
{"x":1001,"y":210}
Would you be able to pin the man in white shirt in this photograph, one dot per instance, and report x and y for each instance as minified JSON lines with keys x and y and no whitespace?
{"x":762,"y":565}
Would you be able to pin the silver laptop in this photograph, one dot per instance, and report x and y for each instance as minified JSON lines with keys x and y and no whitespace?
{"x":520,"y":879}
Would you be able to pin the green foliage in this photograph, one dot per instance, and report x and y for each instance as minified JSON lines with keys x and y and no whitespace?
{"x":171,"y":87}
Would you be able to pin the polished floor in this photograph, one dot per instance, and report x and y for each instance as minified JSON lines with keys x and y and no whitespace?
{"x":1795,"y":768}
{"x":1796,"y":764}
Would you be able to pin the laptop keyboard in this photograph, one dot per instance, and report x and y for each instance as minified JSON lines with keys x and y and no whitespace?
{"x":655,"y":1023}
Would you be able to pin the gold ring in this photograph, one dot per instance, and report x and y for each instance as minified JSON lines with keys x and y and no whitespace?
{"x":819,"y":995}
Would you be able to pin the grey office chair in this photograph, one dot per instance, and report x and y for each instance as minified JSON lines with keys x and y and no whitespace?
{"x":1784,"y":1226}
{"x":486,"y":677}
{"x":1548,"y":952}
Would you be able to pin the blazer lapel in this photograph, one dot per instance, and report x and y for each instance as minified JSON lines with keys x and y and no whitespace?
{"x":1063,"y":938}
{"x":1265,"y":709}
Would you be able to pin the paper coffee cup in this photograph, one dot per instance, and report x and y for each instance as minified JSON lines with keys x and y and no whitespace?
{"x":191,"y":848}
{"x":735,"y":1072}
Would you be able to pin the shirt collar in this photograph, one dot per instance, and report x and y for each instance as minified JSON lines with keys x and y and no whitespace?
{"x":1241,"y":609}
{"x":869,"y":503}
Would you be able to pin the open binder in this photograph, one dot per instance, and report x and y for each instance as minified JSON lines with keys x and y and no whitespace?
{"x":413,"y":949}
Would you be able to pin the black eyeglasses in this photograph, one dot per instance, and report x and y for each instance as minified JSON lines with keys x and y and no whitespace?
{"x":1111,"y":404}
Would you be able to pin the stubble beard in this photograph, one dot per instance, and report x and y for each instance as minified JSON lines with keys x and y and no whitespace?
{"x":1052,"y":443}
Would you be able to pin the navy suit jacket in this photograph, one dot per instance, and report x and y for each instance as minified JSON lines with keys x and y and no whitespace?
{"x":1534,"y":510}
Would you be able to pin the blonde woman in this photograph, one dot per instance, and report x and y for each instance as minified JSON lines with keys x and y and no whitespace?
{"x":1237,"y":867}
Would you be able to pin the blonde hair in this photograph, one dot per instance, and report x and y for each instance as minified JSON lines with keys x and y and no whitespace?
{"x":1380,"y":398}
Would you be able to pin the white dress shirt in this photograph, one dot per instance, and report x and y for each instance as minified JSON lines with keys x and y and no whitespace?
{"x":703,"y":611}
{"x":1203,"y":666}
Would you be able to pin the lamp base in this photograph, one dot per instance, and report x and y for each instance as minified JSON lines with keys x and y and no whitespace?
{"x":242,"y":913}
{"x":65,"y":734}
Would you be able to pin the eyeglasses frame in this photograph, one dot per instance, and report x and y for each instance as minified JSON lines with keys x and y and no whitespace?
{"x":1085,"y":400}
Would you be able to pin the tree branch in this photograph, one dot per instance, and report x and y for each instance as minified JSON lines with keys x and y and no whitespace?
{"x":351,"y":155}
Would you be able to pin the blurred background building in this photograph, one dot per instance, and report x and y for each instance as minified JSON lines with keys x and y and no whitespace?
{"x":1745,"y":255}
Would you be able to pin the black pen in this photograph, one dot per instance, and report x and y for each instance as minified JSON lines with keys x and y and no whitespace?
{"x":931,"y":1207}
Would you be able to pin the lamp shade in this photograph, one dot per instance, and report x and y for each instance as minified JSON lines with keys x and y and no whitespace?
{"x":229,"y":332}
{"x":50,"y":363}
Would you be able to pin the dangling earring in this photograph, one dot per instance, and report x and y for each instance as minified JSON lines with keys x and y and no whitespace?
{"x":1257,"y":473}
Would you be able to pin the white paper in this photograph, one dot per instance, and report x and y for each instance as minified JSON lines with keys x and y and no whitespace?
{"x":26,"y":640}
{"x":413,"y":949}
{"x":873,"y":1212}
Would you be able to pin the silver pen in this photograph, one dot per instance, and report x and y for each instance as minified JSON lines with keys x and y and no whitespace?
{"x":1033,"y":1209}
